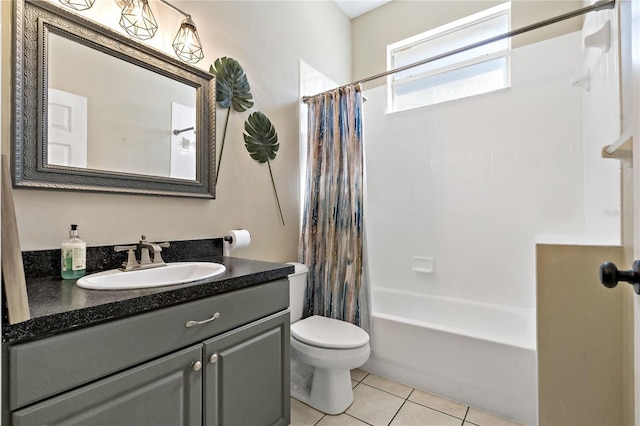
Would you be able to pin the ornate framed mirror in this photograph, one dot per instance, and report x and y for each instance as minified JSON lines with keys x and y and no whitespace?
{"x":96,"y":111}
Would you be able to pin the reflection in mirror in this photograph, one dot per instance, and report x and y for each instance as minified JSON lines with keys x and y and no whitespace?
{"x":112,"y":115}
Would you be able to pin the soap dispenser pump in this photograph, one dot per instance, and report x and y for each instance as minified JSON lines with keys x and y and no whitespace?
{"x":73,"y":256}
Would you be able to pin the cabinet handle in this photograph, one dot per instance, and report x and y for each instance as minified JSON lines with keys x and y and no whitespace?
{"x":213,"y":359}
{"x":196,"y":365}
{"x":213,"y":317}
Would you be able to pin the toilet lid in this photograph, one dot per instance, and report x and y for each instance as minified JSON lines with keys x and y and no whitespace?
{"x":329,"y":333}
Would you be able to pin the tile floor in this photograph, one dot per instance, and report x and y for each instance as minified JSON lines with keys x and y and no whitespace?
{"x":381,"y":402}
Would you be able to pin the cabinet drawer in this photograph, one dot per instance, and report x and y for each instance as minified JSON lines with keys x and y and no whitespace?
{"x":46,"y":367}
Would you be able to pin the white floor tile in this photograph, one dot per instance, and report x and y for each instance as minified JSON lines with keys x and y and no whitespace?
{"x":439,"y":403}
{"x":412,"y":414}
{"x":382,"y":402}
{"x":341,"y":420}
{"x":482,"y":418}
{"x":395,"y":388}
{"x":374,"y":406}
{"x":303,"y":415}
{"x":358,"y":375}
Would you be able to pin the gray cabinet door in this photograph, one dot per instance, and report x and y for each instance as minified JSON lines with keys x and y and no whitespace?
{"x":247,"y":375}
{"x":166,"y":391}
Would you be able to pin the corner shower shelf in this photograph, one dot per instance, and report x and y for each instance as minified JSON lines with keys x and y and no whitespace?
{"x":622,"y":148}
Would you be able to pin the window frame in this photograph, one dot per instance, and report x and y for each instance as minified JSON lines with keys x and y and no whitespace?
{"x":441,"y":31}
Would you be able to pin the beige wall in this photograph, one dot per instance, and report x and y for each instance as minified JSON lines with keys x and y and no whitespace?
{"x":580,"y":337}
{"x":267,"y":38}
{"x":399,"y":19}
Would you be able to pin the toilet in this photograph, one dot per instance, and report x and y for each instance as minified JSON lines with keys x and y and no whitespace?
{"x":323,"y":351}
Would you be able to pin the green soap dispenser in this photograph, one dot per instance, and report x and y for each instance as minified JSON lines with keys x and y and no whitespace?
{"x":74,"y":256}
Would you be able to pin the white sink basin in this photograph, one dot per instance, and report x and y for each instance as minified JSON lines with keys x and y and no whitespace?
{"x":172,"y":274}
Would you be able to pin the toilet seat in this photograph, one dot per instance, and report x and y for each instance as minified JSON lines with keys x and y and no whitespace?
{"x":323,"y":332}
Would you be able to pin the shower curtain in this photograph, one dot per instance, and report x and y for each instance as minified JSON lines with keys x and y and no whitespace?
{"x":332,"y":240}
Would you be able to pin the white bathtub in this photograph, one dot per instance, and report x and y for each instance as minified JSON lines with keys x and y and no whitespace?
{"x":480,"y":354}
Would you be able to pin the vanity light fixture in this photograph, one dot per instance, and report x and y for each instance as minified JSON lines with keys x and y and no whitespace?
{"x":78,"y":4}
{"x":137,"y":19}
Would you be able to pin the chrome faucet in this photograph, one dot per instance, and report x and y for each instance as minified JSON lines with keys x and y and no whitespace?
{"x":145,"y":262}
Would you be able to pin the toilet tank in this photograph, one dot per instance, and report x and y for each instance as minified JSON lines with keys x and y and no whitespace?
{"x":297,"y":289}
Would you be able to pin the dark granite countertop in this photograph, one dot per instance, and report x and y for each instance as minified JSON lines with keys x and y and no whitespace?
{"x":59,"y":305}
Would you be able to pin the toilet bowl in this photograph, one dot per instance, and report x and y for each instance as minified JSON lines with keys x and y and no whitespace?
{"x":323,"y":351}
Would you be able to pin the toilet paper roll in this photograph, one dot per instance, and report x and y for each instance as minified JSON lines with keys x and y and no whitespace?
{"x":240,"y":238}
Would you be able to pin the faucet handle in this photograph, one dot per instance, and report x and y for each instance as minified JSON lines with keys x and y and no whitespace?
{"x":131,"y":257}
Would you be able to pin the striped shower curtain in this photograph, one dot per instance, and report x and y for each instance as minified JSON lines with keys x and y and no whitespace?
{"x":332,"y":238}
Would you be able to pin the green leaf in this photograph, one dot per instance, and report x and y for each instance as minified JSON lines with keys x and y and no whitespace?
{"x":232,"y":89}
{"x":261,"y":139}
{"x":232,"y":86}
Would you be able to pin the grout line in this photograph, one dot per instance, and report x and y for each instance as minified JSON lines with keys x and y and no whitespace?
{"x":440,"y":411}
{"x":360,"y":420}
{"x":394,"y":416}
{"x":382,"y":390}
{"x":465,"y":415}
{"x":411,"y":393}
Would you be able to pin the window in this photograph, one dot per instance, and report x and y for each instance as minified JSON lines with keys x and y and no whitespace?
{"x":480,"y":70}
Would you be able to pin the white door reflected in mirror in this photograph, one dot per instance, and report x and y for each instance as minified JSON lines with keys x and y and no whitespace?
{"x":67,"y":129}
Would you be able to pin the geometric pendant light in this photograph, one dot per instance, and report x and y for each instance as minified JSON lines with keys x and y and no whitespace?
{"x":187,"y":44}
{"x":78,"y":4}
{"x":137,"y":19}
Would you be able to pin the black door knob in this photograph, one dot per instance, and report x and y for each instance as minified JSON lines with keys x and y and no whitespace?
{"x":610,"y":275}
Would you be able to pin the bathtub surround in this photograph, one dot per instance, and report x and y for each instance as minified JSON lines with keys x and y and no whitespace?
{"x":332,"y":238}
{"x":473,"y":184}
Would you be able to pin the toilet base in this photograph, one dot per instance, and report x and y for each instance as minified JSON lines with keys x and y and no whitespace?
{"x":328,"y":391}
{"x":331,"y":390}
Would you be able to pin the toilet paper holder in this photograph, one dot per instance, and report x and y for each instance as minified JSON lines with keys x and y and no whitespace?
{"x":235,"y":239}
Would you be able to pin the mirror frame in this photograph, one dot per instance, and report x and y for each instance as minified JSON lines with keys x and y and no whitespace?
{"x":33,"y":20}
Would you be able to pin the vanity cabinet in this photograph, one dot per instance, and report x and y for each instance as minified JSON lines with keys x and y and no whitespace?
{"x":222,"y":360}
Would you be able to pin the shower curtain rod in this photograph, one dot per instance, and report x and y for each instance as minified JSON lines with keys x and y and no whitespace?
{"x":598,"y":5}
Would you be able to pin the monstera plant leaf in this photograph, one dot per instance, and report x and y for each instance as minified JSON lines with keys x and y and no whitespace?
{"x":261,"y":140}
{"x":232,"y":86}
{"x":232,"y":90}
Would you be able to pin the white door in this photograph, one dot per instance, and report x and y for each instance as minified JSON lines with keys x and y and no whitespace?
{"x":67,"y":129}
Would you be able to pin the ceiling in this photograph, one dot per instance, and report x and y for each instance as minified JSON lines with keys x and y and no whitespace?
{"x":355,"y":8}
